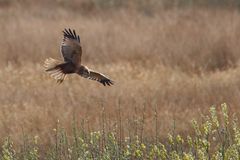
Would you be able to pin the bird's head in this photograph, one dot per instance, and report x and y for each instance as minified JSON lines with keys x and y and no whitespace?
{"x":84,"y":71}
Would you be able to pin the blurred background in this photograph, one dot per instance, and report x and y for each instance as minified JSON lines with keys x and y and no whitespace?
{"x":170,"y":58}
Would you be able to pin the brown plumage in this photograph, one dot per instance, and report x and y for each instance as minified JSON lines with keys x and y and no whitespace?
{"x":71,"y":51}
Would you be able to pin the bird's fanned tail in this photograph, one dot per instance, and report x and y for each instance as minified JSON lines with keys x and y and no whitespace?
{"x":51,"y":66}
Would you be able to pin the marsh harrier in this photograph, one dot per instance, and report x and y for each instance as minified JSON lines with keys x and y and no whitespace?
{"x":71,"y":51}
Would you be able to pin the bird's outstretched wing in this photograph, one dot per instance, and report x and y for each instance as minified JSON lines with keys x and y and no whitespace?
{"x":70,"y":48}
{"x":93,"y":75}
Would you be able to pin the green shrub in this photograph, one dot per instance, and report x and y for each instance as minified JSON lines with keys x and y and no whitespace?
{"x":216,"y":137}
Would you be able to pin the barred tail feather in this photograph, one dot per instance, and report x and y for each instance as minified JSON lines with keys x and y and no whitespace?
{"x":52,"y":67}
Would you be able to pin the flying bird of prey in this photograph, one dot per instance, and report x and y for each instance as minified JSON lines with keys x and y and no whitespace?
{"x":71,"y":51}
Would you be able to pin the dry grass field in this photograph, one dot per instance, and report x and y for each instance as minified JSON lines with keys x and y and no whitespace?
{"x":175,"y":63}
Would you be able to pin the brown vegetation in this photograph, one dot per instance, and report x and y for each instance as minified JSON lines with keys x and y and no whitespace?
{"x":180,"y":61}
